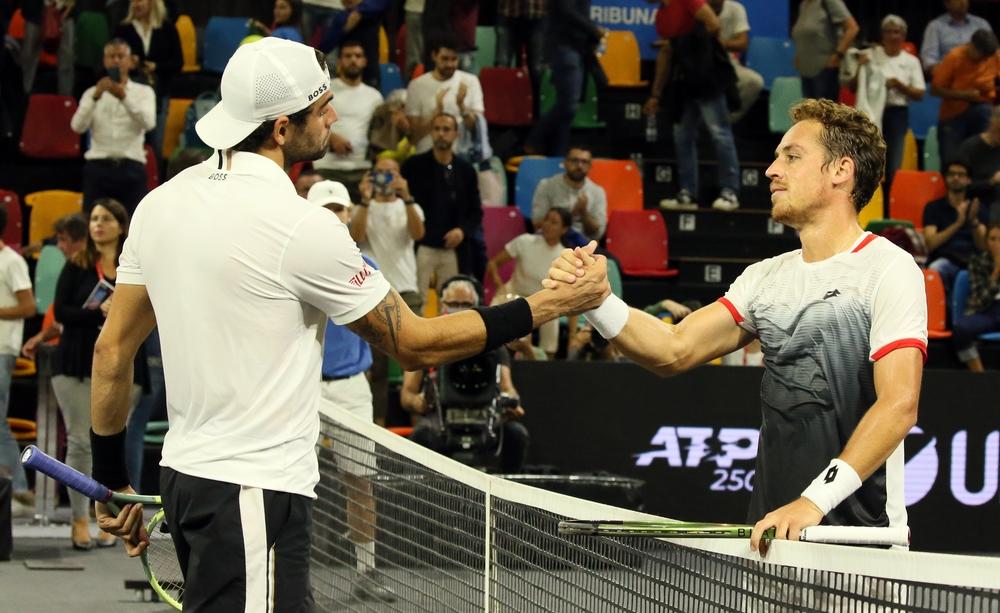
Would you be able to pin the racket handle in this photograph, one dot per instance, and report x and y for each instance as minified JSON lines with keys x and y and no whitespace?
{"x":35,"y":458}
{"x":857,"y":535}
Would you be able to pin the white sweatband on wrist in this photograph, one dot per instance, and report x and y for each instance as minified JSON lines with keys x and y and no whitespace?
{"x":833,"y":485}
{"x":610,"y":318}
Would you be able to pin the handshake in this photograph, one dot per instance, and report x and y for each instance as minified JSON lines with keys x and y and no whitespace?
{"x":577,"y":282}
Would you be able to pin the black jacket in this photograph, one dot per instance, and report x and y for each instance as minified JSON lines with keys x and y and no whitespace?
{"x":164,"y":51}
{"x":447,"y":203}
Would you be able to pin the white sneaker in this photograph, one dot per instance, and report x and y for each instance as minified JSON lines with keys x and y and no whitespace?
{"x":682,"y":202}
{"x":727,"y":201}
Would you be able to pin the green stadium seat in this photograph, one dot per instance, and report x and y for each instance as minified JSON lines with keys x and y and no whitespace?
{"x":785,"y":92}
{"x":586,"y":113}
{"x":486,"y":47}
{"x":932,"y":151}
{"x":91,"y":33}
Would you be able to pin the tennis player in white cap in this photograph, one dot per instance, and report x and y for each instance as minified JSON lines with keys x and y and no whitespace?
{"x":239,"y":273}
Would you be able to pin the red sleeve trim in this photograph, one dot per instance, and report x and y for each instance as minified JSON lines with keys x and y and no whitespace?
{"x":864,"y":243}
{"x":900,"y":344}
{"x":732,"y":309}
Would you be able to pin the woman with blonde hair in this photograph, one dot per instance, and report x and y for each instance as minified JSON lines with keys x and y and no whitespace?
{"x":154,"y":41}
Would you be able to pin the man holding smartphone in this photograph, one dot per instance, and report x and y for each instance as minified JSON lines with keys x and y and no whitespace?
{"x":117,"y":112}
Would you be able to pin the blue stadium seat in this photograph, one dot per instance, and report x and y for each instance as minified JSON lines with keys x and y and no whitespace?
{"x":771,"y":57}
{"x":222,"y":38}
{"x":960,"y":296}
{"x":529,"y":175}
{"x":924,"y":114}
{"x":390,"y":79}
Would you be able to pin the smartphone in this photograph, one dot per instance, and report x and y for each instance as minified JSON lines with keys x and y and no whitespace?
{"x":115,"y":74}
{"x":382,"y":179}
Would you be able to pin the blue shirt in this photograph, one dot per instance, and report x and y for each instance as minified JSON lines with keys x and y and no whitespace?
{"x":345,"y":354}
{"x":944,"y":34}
{"x":288,"y":33}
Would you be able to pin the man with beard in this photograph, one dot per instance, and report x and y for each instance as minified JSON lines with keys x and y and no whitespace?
{"x":265,"y":268}
{"x":842,"y":323}
{"x":347,"y":159}
{"x":574,"y":191}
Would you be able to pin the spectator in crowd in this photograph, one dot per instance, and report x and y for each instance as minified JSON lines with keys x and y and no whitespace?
{"x":982,"y":311}
{"x":446,"y":89}
{"x":33,"y":12}
{"x":153,"y":39}
{"x":532,"y":255}
{"x":346,"y":357}
{"x":734,"y":34}
{"x":347,"y":160}
{"x":306,"y":179}
{"x":571,"y":39}
{"x":117,"y":112}
{"x":521,"y":23}
{"x":81,"y":304}
{"x":460,"y":294}
{"x":414,"y":15}
{"x":456,"y":20}
{"x":823,"y":33}
{"x":448,"y":190}
{"x":702,"y":76}
{"x":360,"y":21}
{"x":904,"y":81}
{"x":17,"y":303}
{"x":947,"y":31}
{"x":316,"y":17}
{"x":587,"y":345}
{"x":966,"y":81}
{"x":954,"y":226}
{"x":573,"y":191}
{"x":287,"y":21}
{"x":981,"y":154}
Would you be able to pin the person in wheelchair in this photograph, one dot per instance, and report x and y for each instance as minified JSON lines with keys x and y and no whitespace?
{"x":469,"y":409}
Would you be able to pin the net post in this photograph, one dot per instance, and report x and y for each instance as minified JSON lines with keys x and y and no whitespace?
{"x":487,"y":546}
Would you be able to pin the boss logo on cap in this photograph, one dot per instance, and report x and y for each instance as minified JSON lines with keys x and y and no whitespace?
{"x":319,"y":91}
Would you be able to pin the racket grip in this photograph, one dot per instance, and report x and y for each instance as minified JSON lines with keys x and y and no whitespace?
{"x":857,"y":535}
{"x":35,"y":458}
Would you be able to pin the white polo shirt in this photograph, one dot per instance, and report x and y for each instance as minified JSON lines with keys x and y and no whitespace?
{"x":242,"y":274}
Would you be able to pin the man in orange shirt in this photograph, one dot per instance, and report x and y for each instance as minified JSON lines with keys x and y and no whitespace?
{"x":966,"y":80}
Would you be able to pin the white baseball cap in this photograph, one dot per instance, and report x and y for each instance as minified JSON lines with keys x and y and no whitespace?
{"x":262,"y":81}
{"x":329,"y":192}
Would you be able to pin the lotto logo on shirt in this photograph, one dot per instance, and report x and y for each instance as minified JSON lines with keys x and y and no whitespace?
{"x":359,"y":279}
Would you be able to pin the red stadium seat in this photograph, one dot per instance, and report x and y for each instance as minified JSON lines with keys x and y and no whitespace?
{"x":507,"y":96}
{"x":937,"y":316}
{"x":500,"y":226}
{"x":639,"y":240}
{"x":400,"y":52}
{"x":46,"y":133}
{"x":12,"y":234}
{"x":910,"y":193}
{"x":621,"y":181}
{"x":152,"y":169}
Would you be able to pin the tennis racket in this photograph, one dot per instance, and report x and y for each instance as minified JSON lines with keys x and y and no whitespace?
{"x":841,"y":535}
{"x":159,"y":560}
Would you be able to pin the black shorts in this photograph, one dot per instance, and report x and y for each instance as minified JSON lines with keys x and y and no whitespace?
{"x":240,"y":548}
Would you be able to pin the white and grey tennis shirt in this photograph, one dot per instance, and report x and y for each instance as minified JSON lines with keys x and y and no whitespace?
{"x":822,"y":325}
{"x":242,"y":274}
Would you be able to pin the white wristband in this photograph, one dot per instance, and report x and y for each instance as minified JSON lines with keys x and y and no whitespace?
{"x":833,"y":485}
{"x":609,"y":318}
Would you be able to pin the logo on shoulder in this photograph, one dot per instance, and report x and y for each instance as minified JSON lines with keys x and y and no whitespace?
{"x":319,"y":91}
{"x":359,"y":279}
{"x":831,"y":294}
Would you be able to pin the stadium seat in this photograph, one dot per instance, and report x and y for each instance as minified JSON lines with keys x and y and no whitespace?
{"x":924,"y":114}
{"x":500,"y":226}
{"x":772,"y":58}
{"x":174,"y":127}
{"x":90,"y":33}
{"x":152,"y":168}
{"x":486,"y":48}
{"x":189,"y":43}
{"x":932,"y":151}
{"x":496,"y":165}
{"x":911,"y":48}
{"x":50,"y":263}
{"x":46,"y":208}
{"x":383,"y":46}
{"x":874,"y":210}
{"x":222,"y":38}
{"x":622,"y":182}
{"x":911,"y":191}
{"x":586,"y":113}
{"x":390,"y":79}
{"x":910,"y":157}
{"x":639,"y":240}
{"x":14,"y":232}
{"x":46,"y":133}
{"x":785,"y":92}
{"x":507,"y":96}
{"x":418,"y":70}
{"x":621,"y":60}
{"x":959,"y":298}
{"x":529,"y":174}
{"x":937,"y":317}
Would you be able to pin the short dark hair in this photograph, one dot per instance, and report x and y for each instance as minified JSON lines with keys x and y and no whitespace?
{"x":443,"y":40}
{"x":444,"y":114}
{"x":117,"y":42}
{"x":564,"y":215}
{"x":956,"y":162}
{"x":75,"y":225}
{"x":351,"y":42}
{"x":985,"y":42}
{"x":184,"y":159}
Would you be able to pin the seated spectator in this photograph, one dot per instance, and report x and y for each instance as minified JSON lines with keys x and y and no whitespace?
{"x":427,"y":406}
{"x":306,"y":179}
{"x":287,"y":21}
{"x":954,"y":226}
{"x":347,"y":160}
{"x":573,"y":191}
{"x":588,"y":345}
{"x":966,"y":81}
{"x":734,"y":34}
{"x":947,"y":31}
{"x":532,"y":255}
{"x":118,"y":112}
{"x":823,"y":32}
{"x":981,"y":154}
{"x":904,"y":81}
{"x":982,"y":311}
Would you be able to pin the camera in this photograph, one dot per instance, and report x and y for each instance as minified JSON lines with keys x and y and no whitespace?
{"x":381,"y":180}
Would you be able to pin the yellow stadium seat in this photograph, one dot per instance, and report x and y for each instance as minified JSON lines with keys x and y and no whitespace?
{"x":189,"y":43}
{"x":176,"y":110}
{"x":621,"y":61}
{"x":46,"y":208}
{"x":383,"y":46}
{"x":910,"y":157}
{"x":873,"y":210}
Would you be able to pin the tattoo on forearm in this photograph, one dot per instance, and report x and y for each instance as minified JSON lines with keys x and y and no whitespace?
{"x":391,"y":315}
{"x":382,"y":325}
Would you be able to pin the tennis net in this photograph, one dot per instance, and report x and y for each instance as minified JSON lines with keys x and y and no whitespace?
{"x":450,"y":538}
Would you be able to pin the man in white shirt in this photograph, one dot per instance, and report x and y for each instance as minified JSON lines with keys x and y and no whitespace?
{"x":118,"y":112}
{"x":734,"y":34}
{"x":347,"y":159}
{"x":574,"y":191}
{"x":267,"y":268}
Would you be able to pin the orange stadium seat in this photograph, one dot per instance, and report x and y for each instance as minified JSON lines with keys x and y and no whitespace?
{"x":621,"y":61}
{"x":46,"y":208}
{"x":911,"y":191}
{"x":12,"y":234}
{"x":46,"y":133}
{"x":507,"y":96}
{"x":174,"y":126}
{"x":189,"y":43}
{"x":639,"y":240}
{"x":621,"y":181}
{"x":500,"y":225}
{"x":937,"y":316}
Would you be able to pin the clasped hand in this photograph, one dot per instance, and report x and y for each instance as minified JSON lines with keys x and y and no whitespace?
{"x":581,"y":276}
